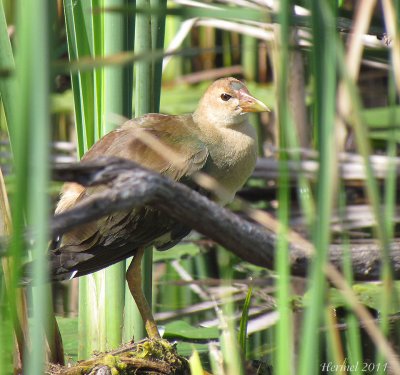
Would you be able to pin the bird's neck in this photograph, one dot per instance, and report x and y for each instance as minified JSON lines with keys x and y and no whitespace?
{"x":212,"y":133}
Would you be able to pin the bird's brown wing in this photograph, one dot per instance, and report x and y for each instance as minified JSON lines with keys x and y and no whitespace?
{"x":166,"y":144}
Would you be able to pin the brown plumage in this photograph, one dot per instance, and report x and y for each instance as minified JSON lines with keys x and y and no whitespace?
{"x":216,"y":139}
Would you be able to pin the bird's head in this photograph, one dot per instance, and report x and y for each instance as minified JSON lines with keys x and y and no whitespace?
{"x":226,"y":103}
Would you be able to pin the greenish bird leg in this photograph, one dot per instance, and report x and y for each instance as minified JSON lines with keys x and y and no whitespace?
{"x":134,"y":279}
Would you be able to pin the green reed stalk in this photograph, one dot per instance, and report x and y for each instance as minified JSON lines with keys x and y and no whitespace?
{"x":284,"y":343}
{"x":149,"y":35}
{"x":117,"y":100}
{"x":230,"y":346}
{"x":388,"y":301}
{"x":157,"y":43}
{"x":85,"y":39}
{"x":80,"y":43}
{"x":8,"y":297}
{"x":249,"y":57}
{"x":324,"y":71}
{"x":352,"y":337}
{"x":143,"y":105}
{"x":28,"y":119}
{"x":33,"y":57}
{"x":7,"y":65}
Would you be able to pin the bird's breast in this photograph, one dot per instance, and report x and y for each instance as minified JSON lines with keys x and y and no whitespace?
{"x":232,"y":160}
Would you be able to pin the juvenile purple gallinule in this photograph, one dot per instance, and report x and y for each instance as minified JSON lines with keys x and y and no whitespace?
{"x":216,"y":139}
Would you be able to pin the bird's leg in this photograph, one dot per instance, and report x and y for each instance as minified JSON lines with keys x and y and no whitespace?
{"x":134,"y":279}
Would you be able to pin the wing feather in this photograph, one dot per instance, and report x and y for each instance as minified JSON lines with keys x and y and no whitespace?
{"x":100,"y":243}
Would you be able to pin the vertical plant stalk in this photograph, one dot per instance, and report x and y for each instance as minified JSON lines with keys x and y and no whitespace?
{"x":284,"y":331}
{"x":18,"y":132}
{"x":6,"y":64}
{"x":297,"y":92}
{"x":98,"y":24}
{"x":388,"y":301}
{"x":19,"y":311}
{"x":157,"y":41}
{"x":85,"y":38}
{"x":149,"y":35}
{"x":33,"y":114}
{"x":118,"y":92}
{"x":8,"y":309}
{"x":94,"y":105}
{"x":324,"y":68}
{"x":353,"y":342}
{"x":249,"y":57}
{"x":129,"y":304}
{"x":143,"y":105}
{"x":80,"y":43}
{"x":229,"y":340}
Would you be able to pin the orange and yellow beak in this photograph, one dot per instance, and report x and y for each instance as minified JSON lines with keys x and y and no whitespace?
{"x":249,"y":103}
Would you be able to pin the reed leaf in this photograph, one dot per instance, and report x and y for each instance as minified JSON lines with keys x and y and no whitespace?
{"x":244,"y":321}
{"x":195,"y":364}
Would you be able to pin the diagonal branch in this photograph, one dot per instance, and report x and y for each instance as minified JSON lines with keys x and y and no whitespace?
{"x":132,"y":186}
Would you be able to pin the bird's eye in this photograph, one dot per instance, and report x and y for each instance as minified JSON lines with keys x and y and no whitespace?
{"x":225,"y":97}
